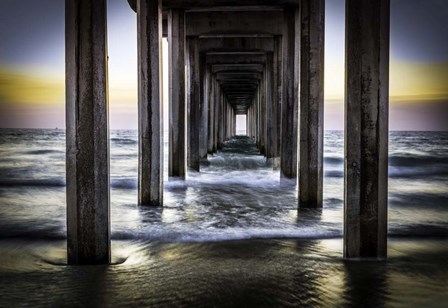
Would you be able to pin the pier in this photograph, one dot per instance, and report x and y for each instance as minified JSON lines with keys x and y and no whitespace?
{"x":259,"y":58}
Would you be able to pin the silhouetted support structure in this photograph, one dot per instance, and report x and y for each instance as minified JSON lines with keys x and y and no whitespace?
{"x":291,"y":45}
{"x":177,"y":111}
{"x":150,"y":164}
{"x":311,"y":103}
{"x":366,"y":144}
{"x":263,"y":59}
{"x":194,"y":104}
{"x":88,"y":226}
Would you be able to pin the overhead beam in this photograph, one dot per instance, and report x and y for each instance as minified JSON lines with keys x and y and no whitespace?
{"x":223,"y":4}
{"x":237,"y":67}
{"x":237,"y":43}
{"x":235,"y":59}
{"x":236,"y":22}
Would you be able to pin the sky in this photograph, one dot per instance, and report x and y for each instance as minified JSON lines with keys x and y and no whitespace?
{"x":32,"y":67}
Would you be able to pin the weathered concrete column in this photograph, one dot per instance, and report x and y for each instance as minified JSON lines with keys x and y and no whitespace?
{"x":211,"y":110}
{"x":228,"y":121}
{"x":150,"y":164}
{"x":234,"y":123}
{"x":277,"y":99}
{"x":291,"y":40}
{"x":263,"y":114}
{"x":248,"y":122}
{"x":194,"y":97}
{"x":311,"y":103}
{"x":215,"y":102}
{"x":176,"y":43}
{"x":204,"y":71}
{"x":271,"y":116}
{"x":220,"y":119}
{"x":257,"y":117}
{"x":87,"y":160}
{"x":366,"y":137}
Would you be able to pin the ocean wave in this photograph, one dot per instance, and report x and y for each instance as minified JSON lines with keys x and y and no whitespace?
{"x":402,"y":160}
{"x":409,"y":160}
{"x":124,"y":141}
{"x":129,"y":183}
{"x":43,"y":152}
{"x":418,"y":172}
{"x":418,"y":230}
{"x":231,"y":234}
{"x":334,"y":160}
{"x":334,"y":174}
{"x":405,"y":173}
{"x":418,"y":200}
{"x":57,"y":182}
{"x":163,"y":235}
{"x":26,"y":232}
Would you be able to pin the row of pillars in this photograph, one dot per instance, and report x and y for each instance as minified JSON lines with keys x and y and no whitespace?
{"x":287,"y":101}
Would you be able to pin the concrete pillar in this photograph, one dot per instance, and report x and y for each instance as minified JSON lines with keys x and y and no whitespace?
{"x":271,"y":117}
{"x":277,"y":98}
{"x":221,"y":120}
{"x":248,"y":121}
{"x":150,"y":164}
{"x":251,"y":121}
{"x":204,"y":107}
{"x":291,"y":40}
{"x":228,"y":121}
{"x":176,"y":42}
{"x":263,"y":114}
{"x":311,"y":103}
{"x":257,"y":117}
{"x":366,"y":132}
{"x":87,"y":160}
{"x":194,"y":97}
{"x":215,"y":102}
{"x":211,"y":110}
{"x":233,"y":123}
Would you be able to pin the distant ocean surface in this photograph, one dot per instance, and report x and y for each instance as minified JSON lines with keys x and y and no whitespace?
{"x":232,"y":218}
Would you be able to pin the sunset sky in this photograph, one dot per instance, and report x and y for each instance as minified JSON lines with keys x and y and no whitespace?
{"x":32,"y":64}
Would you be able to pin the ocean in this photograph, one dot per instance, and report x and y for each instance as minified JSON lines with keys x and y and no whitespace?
{"x":227,"y":236}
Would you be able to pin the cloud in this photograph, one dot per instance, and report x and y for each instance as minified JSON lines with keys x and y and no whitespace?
{"x":21,"y":89}
{"x":418,"y":81}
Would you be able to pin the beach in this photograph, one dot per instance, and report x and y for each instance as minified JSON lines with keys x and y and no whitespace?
{"x":228,"y":236}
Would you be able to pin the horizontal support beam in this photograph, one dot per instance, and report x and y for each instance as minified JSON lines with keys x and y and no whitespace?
{"x":265,"y":44}
{"x":235,"y":59}
{"x":224,"y":5}
{"x":236,"y":22}
{"x":237,"y":67}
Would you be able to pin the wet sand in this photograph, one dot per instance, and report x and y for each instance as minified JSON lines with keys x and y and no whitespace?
{"x":247,"y":273}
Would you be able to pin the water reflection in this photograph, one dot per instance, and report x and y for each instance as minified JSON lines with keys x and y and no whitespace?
{"x":366,"y":283}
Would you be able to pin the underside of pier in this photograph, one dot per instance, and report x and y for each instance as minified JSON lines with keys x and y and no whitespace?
{"x":259,"y":58}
